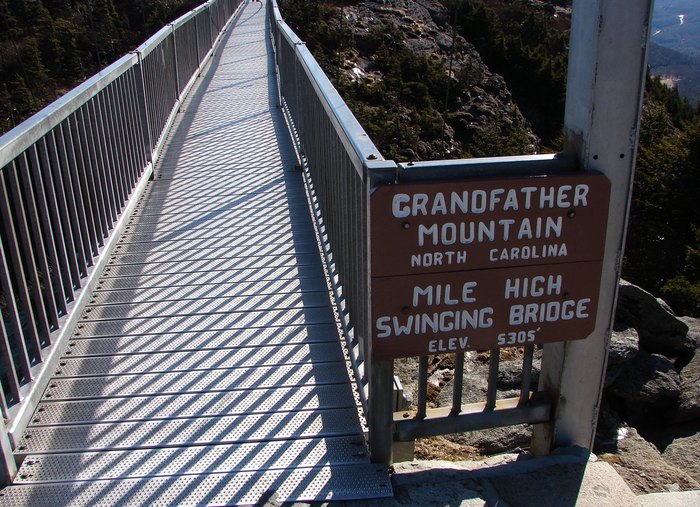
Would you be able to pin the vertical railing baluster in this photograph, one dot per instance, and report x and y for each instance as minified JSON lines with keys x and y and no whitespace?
{"x":119,"y":129}
{"x":39,"y":247}
{"x":93,"y":175}
{"x":457,"y":382}
{"x":131,"y":129}
{"x":105,"y":161}
{"x":176,"y":70}
{"x":52,"y":172}
{"x":422,"y":387}
{"x":528,"y":353}
{"x":75,"y":195}
{"x":84,"y":199}
{"x":143,"y":109}
{"x":29,"y":330}
{"x":52,"y":222}
{"x":29,"y":256}
{"x":11,"y":396}
{"x":494,"y":359}
{"x":115,"y":155}
{"x":16,"y":335}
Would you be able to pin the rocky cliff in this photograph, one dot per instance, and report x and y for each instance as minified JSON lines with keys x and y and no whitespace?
{"x":419,"y":89}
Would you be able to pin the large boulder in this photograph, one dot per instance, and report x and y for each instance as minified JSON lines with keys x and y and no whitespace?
{"x":647,"y":378}
{"x":643,"y":467}
{"x":624,"y":345}
{"x":684,"y":453}
{"x":688,"y":407}
{"x":693,"y":329}
{"x":659,"y":329}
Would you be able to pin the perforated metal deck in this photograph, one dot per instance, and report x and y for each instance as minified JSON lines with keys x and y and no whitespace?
{"x":207,"y":367}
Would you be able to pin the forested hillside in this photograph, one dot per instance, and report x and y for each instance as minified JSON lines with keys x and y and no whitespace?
{"x":392,"y":68}
{"x":49,"y":46}
{"x":424,"y":78}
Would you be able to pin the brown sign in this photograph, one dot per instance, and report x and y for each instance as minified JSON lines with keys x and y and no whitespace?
{"x":480,"y":310}
{"x":488,"y":223}
{"x":485,"y":263}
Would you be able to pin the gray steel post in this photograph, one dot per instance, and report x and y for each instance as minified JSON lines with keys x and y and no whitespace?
{"x":176,"y":67}
{"x":143,"y":110}
{"x":8,"y":467}
{"x":607,"y":64}
{"x":381,"y":410}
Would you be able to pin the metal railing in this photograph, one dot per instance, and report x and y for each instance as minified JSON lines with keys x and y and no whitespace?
{"x":69,"y":175}
{"x":342,"y":168}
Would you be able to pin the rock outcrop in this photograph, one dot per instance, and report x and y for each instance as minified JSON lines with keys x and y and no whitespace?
{"x":485,"y":106}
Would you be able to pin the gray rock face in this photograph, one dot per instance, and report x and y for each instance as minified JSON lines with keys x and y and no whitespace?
{"x":510,"y":374}
{"x":659,"y":330}
{"x":684,"y":453}
{"x":624,"y":345}
{"x":486,"y":103}
{"x":496,"y":440}
{"x":688,"y":407}
{"x":643,"y":468}
{"x":647,"y":378}
{"x":693,"y":329}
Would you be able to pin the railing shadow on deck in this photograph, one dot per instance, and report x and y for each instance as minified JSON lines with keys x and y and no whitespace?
{"x":71,"y":171}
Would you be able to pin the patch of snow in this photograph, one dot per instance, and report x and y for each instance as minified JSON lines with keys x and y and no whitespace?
{"x":622,"y":433}
{"x":358,"y":73}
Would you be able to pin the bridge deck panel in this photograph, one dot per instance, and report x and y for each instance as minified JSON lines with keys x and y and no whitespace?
{"x":207,"y":367}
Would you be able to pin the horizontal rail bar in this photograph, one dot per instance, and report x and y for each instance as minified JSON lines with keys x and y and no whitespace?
{"x":474,"y":416}
{"x":491,"y":166}
{"x":24,"y":135}
{"x":353,"y":136}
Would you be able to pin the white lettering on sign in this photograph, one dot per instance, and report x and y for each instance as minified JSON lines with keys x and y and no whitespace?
{"x":552,"y":311}
{"x":429,"y":259}
{"x":437,"y":322}
{"x":536,"y":286}
{"x":466,"y":233}
{"x":528,"y":252}
{"x":448,"y":345}
{"x":442,"y":294}
{"x":477,"y":202}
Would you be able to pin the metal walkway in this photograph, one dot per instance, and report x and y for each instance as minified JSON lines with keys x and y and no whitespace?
{"x":207,"y":369}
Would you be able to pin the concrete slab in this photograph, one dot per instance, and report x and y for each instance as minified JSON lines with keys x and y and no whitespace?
{"x":571,"y":478}
{"x":675,"y":499}
{"x":594,"y":484}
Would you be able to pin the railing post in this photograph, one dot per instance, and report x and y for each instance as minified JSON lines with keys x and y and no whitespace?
{"x":381,"y":410}
{"x":175,"y":65}
{"x":607,"y":63}
{"x":381,"y":373}
{"x":143,"y":109}
{"x":196,"y":44}
{"x":9,"y":466}
{"x":299,"y":120}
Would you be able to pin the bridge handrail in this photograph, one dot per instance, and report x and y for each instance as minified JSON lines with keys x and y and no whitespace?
{"x":341,"y":162}
{"x":342,"y":169}
{"x":69,"y":176}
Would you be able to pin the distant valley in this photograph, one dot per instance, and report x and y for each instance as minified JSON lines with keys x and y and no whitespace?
{"x":675,"y":49}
